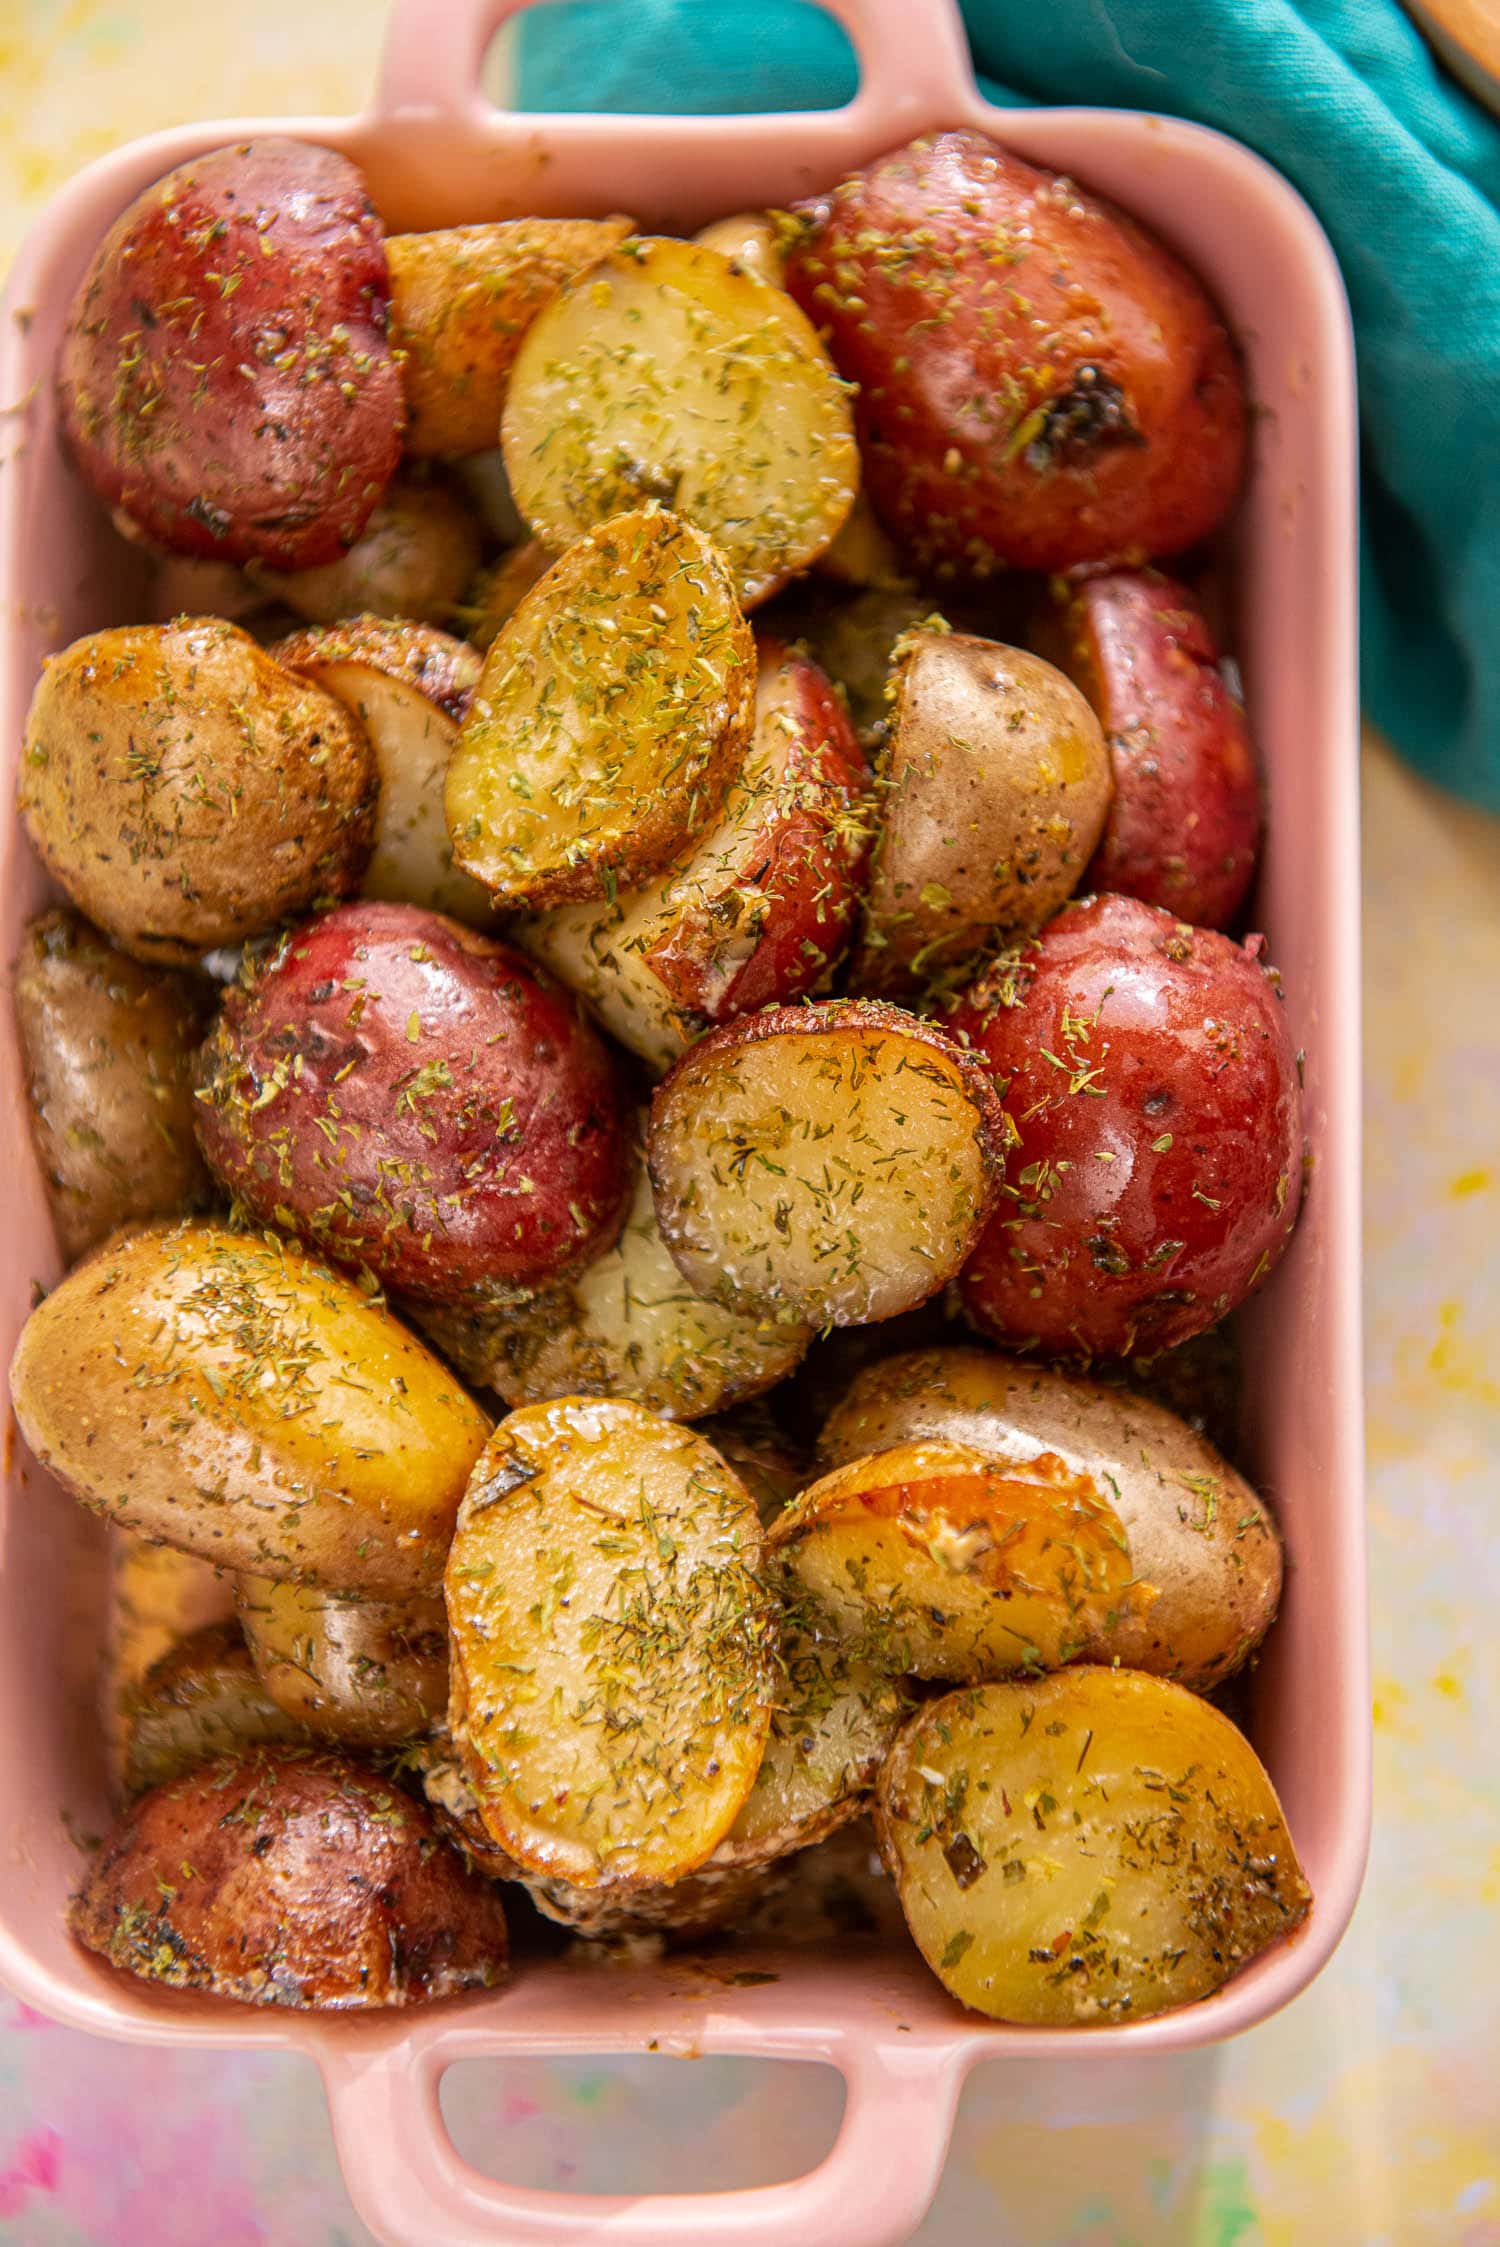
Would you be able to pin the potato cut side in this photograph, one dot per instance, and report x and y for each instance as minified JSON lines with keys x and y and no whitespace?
{"x":411,"y":736}
{"x":834,"y":1162}
{"x":200,"y":1700}
{"x":371,"y":1673}
{"x":1087,"y":1848}
{"x":629,"y":1325}
{"x":669,"y":371}
{"x":613,"y":711}
{"x":611,"y":1643}
{"x":462,"y":297}
{"x":934,"y":1559}
{"x":1196,"y":1529}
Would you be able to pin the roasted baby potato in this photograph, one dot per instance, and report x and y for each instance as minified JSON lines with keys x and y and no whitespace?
{"x":365,"y":1673}
{"x":854,"y":638}
{"x":226,"y":375}
{"x":199,"y":1700}
{"x":830,"y":1163}
{"x":108,"y":1047}
{"x":188,"y":792}
{"x":627,"y":1325}
{"x":934,"y":1559}
{"x":757,"y":910}
{"x":412,"y":562}
{"x":156,"y":1597}
{"x":409,"y":686}
{"x":415,"y":1098}
{"x":769,"y":1459}
{"x":499,"y":590}
{"x":1196,"y":1530}
{"x":1152,"y":1089}
{"x":670,"y":372}
{"x":229,"y":1394}
{"x":862,"y":556}
{"x":749,"y":240}
{"x":612,"y":714}
{"x":995,"y":785}
{"x":461,"y":300}
{"x":1039,"y":382}
{"x":290,"y":1877}
{"x":1184,"y":828}
{"x":611,"y":1643}
{"x":1092,"y":1847}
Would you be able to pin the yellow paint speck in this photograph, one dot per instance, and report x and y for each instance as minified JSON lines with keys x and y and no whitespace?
{"x":1451,"y":1687}
{"x":1470,"y":1182}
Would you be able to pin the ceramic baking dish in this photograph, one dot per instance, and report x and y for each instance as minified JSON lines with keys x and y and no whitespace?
{"x":435,"y":154}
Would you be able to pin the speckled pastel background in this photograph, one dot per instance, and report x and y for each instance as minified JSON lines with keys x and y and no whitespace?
{"x":1368,"y":2115}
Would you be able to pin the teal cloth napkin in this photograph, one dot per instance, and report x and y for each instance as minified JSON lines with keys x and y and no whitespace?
{"x":1344,"y":97}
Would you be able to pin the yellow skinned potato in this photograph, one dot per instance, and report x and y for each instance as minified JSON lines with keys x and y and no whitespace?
{"x":412,"y":563}
{"x":996,"y":785}
{"x":1088,"y":1848}
{"x":199,"y":1700}
{"x":369,"y":1673}
{"x":229,"y":1394}
{"x":747,"y":239}
{"x":499,"y":590}
{"x":462,"y":297}
{"x":670,"y":372}
{"x":612,"y":713}
{"x":109,"y":1047}
{"x":610,"y":1643}
{"x":188,"y":792}
{"x":628,"y":1325}
{"x":1196,"y":1529}
{"x":932,"y":1559}
{"x":156,"y":1597}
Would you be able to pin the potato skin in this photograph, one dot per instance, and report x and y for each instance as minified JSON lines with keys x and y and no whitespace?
{"x":188,"y":792}
{"x":412,"y":562}
{"x":108,"y":1047}
{"x":415,"y":1098}
{"x":1041,"y":383}
{"x":1086,"y":1848}
{"x":1197,"y":1531}
{"x":1184,"y":828}
{"x":996,"y":782}
{"x":1172,"y":1057}
{"x":462,"y":297}
{"x":289,"y":1877}
{"x":228,"y":1394}
{"x":444,"y":669}
{"x":361,"y":1673}
{"x":225,"y":375}
{"x":200,"y":1700}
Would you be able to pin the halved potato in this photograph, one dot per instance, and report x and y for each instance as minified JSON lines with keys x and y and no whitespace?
{"x":671,"y":372}
{"x":411,"y":563}
{"x":1091,"y":1847}
{"x":628,"y":1325}
{"x":409,"y":685}
{"x":833,"y":1163}
{"x":1196,"y":1529}
{"x":612,"y":713}
{"x":369,"y":1673}
{"x":749,"y":240}
{"x":933,"y":1559}
{"x":200,"y":1700}
{"x":611,"y":1643}
{"x":996,"y":784}
{"x":230,"y":1394}
{"x":753,"y":913}
{"x":462,"y":297}
{"x":290,"y":1877}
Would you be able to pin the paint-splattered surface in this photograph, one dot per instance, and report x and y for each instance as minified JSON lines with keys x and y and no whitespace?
{"x":1366,"y":2116}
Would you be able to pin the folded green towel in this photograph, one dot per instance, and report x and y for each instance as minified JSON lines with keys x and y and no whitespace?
{"x":1343,"y":96}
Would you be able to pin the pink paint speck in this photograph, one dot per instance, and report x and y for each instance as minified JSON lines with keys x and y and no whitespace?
{"x":24,"y":2017}
{"x":36,"y":2168}
{"x":518,"y":2108}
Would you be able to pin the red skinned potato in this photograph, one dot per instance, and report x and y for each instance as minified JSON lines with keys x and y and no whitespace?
{"x":832,"y":1164}
{"x":1150,"y":1080}
{"x":1041,"y":383}
{"x":225,"y":375}
{"x":416,"y":1099}
{"x":1184,"y":827}
{"x":290,"y":1877}
{"x":757,"y":910}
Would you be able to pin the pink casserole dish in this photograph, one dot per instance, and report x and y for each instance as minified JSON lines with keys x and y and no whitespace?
{"x":436,"y":154}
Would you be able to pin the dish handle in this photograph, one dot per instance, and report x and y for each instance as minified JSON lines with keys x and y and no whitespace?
{"x":910,"y":58}
{"x":413,"y":2188}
